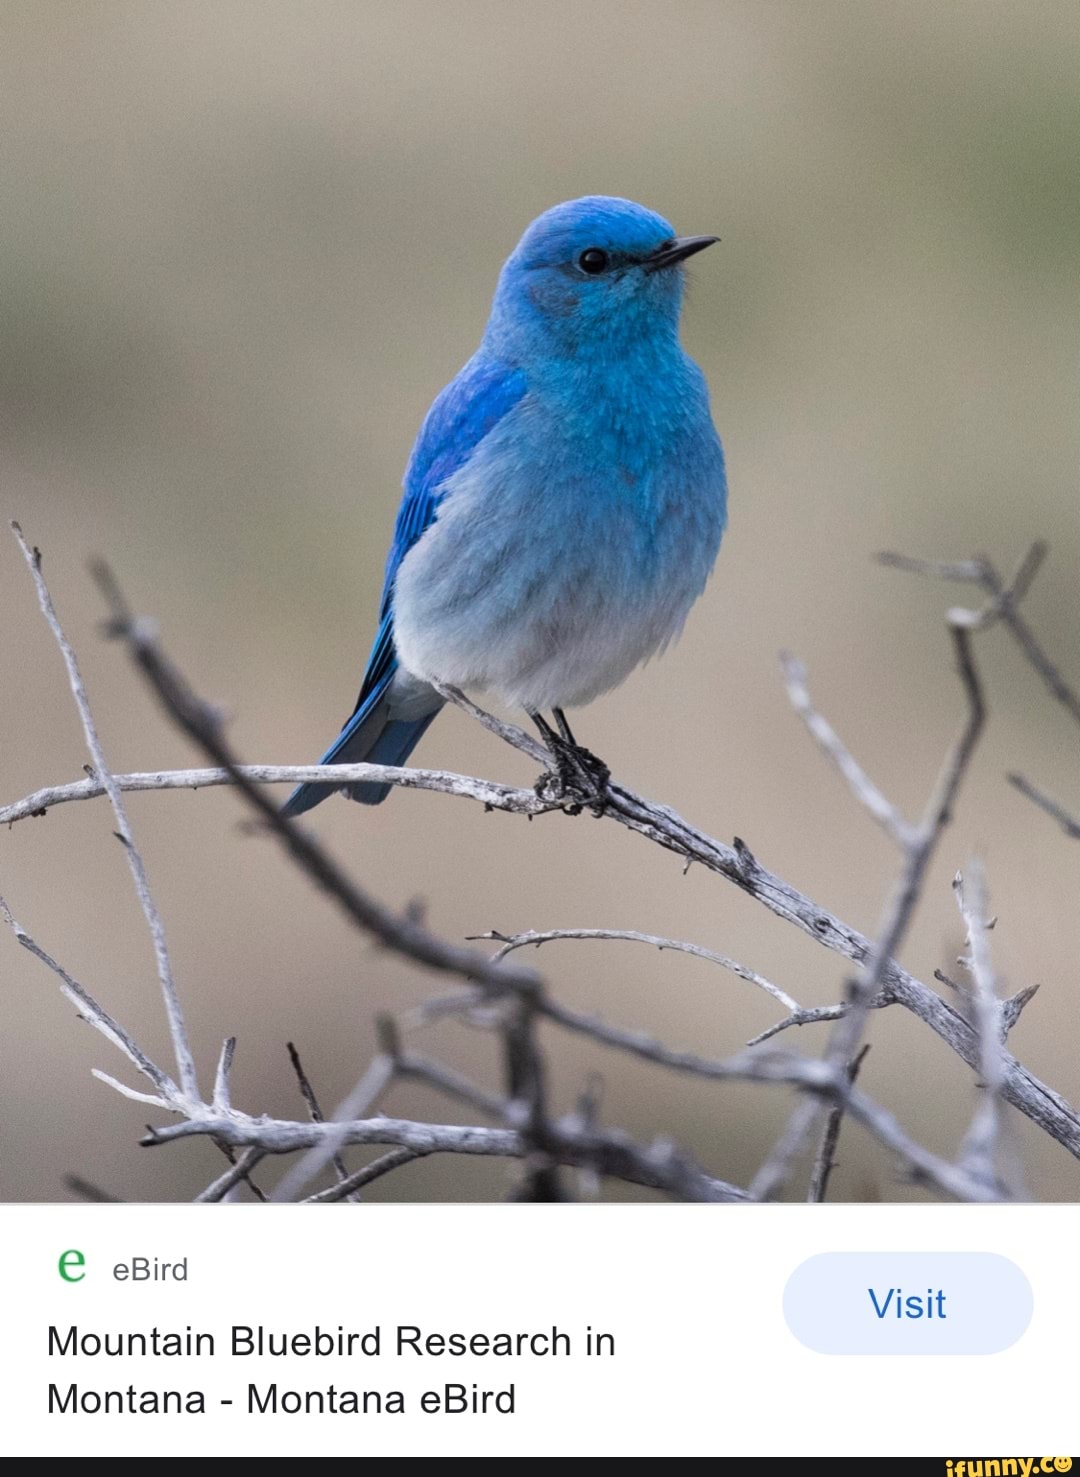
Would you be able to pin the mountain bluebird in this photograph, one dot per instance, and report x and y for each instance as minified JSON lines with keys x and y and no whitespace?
{"x":564,"y":501}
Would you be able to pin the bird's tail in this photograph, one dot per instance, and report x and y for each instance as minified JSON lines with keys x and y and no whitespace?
{"x":370,"y":736}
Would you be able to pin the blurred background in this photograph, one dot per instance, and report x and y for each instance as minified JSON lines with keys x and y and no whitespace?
{"x":242,"y":245}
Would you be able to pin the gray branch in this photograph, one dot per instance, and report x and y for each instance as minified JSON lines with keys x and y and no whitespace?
{"x":980,"y":1148}
{"x":738,"y":865}
{"x":175,"y":1015}
{"x":346,"y":1188}
{"x":307,"y":1092}
{"x":221,"y":1098}
{"x":362,"y":1099}
{"x":168,"y":1093}
{"x":825,"y":1162}
{"x":1003,"y":605}
{"x":659,"y":1167}
{"x":512,"y":1000}
{"x":533,"y":939}
{"x":918,"y":846}
{"x":232,"y":1177}
{"x":895,"y":825}
{"x":1068,"y":823}
{"x":441,"y":782}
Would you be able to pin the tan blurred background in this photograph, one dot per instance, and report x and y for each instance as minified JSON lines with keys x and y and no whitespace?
{"x":242,"y":245}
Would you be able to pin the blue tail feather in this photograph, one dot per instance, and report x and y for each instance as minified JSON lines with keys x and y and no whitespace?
{"x":370,"y":735}
{"x":393,"y":746}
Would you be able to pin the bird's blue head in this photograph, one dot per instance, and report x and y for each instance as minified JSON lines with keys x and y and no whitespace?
{"x":591,"y":275}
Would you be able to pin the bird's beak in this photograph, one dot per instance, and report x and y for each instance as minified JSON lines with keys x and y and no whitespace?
{"x":677,"y":250}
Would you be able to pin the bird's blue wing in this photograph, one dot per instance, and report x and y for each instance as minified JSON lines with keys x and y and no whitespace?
{"x":470,"y":406}
{"x":461,"y":416}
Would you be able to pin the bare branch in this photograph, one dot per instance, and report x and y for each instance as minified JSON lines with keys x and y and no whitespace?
{"x":817,"y":1078}
{"x":150,"y":1098}
{"x":776,"y":1169}
{"x":1012,"y":1008}
{"x":1022,"y":1088}
{"x":168,"y":1095}
{"x":588,"y":1116}
{"x":895,"y":825}
{"x":1003,"y":606}
{"x":347,"y":1187}
{"x":825,"y":1162}
{"x":404,"y":935}
{"x":862,"y":992}
{"x":1004,"y":597}
{"x":230,"y":1155}
{"x":612,"y":1154}
{"x":453,"y":1084}
{"x":97,"y":1016}
{"x":979,"y":1152}
{"x":516,"y":737}
{"x":663,"y":826}
{"x":512,"y":1000}
{"x":1068,"y":823}
{"x":639,"y":1044}
{"x":87,"y":1190}
{"x":1015,"y":590}
{"x":181,"y":1049}
{"x":491,"y":796}
{"x":809,"y":1017}
{"x":820,"y":1079}
{"x":307,"y":1092}
{"x":363,"y":1097}
{"x":221,"y":1079}
{"x":966,"y":571}
{"x":526,"y":1086}
{"x":510,"y":942}
{"x":220,"y":1187}
{"x":1025,"y":638}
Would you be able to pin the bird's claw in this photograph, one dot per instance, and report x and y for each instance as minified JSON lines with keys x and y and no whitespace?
{"x":576,"y":779}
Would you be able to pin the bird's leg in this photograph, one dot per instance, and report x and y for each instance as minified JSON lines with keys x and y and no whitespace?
{"x":555,"y":782}
{"x":564,"y":727}
{"x":576,"y":775}
{"x":547,"y":733}
{"x":595,"y":770}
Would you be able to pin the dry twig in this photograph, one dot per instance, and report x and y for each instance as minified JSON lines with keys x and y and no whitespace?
{"x":513,"y":1001}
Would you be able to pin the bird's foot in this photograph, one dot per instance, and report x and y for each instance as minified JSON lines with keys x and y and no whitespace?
{"x":576,"y":779}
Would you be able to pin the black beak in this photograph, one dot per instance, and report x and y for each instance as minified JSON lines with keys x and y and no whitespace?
{"x":677,"y":250}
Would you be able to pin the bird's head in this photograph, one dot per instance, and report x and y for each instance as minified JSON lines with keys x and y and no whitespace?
{"x":589,"y":273}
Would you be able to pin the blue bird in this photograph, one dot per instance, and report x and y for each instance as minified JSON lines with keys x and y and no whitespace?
{"x":564,"y":502}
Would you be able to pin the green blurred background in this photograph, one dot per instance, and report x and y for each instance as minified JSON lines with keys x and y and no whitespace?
{"x":242,"y":245}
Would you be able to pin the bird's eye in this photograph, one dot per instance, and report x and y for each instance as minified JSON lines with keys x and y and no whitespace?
{"x":594,"y":261}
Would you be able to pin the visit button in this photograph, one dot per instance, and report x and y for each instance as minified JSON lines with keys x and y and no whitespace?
{"x":908,"y":1302}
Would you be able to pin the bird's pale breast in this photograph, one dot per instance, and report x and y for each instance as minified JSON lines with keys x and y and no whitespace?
{"x":547,"y":577}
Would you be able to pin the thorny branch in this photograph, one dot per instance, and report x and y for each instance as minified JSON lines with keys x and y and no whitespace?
{"x":797,"y":1014}
{"x":917,"y":844}
{"x":184,"y":1060}
{"x":1068,"y":823}
{"x":493,"y":797}
{"x":307,"y":1092}
{"x":979,"y":1153}
{"x":501,"y":996}
{"x":1004,"y":606}
{"x":825,"y":1162}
